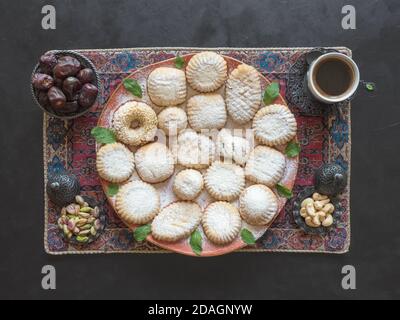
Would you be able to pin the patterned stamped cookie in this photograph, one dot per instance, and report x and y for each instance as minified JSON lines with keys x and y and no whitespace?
{"x":140,"y":114}
{"x":195,"y":150}
{"x":243,"y":93}
{"x":274,"y":125}
{"x":172,"y":120}
{"x":232,"y":147}
{"x":221,"y":222}
{"x":115,"y":162}
{"x":265,"y":165}
{"x":258,"y":205}
{"x":224,"y":181}
{"x":188,"y":184}
{"x":167,"y":86}
{"x":206,"y":111}
{"x":176,"y":221}
{"x":206,"y":71}
{"x":154,"y":162}
{"x":137,"y":202}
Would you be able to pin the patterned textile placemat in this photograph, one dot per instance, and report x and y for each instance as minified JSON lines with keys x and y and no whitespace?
{"x":69,"y":145}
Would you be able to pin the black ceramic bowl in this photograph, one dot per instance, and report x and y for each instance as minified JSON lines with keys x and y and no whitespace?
{"x":92,"y":203}
{"x":86,"y":63}
{"x":307,"y":193}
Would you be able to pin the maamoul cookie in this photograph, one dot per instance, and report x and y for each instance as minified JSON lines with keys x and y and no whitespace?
{"x":224,"y":181}
{"x":137,"y":202}
{"x":206,"y":111}
{"x":243,"y":93}
{"x":188,"y":184}
{"x":221,"y":222}
{"x":115,"y":162}
{"x":258,"y":205}
{"x":265,"y":165}
{"x":176,"y":221}
{"x":195,"y":150}
{"x":167,"y":86}
{"x":154,"y":162}
{"x":274,"y":125}
{"x":140,"y":115}
{"x":172,"y":120}
{"x":232,"y":147}
{"x":206,"y":71}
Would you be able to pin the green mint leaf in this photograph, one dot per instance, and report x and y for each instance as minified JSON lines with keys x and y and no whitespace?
{"x":140,"y":234}
{"x":283,"y":191}
{"x":133,"y":87}
{"x":370,"y":86}
{"x":103,"y":135}
{"x":112,"y":190}
{"x":179,"y":62}
{"x":247,"y":237}
{"x":196,"y":242}
{"x":292,"y":149}
{"x":271,"y":93}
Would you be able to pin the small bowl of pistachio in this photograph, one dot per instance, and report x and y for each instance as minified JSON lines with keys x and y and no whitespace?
{"x":82,"y":221}
{"x":316,"y":213}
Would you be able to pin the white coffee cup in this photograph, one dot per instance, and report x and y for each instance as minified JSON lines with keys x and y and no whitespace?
{"x":316,"y":90}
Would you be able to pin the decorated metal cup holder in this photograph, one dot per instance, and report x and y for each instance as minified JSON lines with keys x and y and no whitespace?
{"x":297,"y":92}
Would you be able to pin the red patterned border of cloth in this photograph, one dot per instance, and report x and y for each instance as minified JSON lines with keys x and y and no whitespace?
{"x":68,"y":144}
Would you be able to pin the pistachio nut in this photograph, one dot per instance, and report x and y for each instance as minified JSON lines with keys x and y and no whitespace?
{"x":84,"y":232}
{"x":84,"y":215}
{"x":79,"y":200}
{"x":82,"y":239}
{"x":91,"y":220}
{"x":70,"y":208}
{"x":86,"y":227}
{"x":86,"y":209}
{"x":71,"y":225}
{"x":65,"y":229}
{"x":63,"y":211}
{"x":96,"y":212}
{"x":97,"y":224}
{"x":93,"y":231}
{"x":81,"y":222}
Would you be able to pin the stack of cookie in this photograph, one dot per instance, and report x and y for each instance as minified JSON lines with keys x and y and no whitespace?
{"x":238,"y":175}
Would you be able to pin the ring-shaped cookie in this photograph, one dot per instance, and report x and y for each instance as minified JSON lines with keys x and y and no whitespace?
{"x":139,"y":114}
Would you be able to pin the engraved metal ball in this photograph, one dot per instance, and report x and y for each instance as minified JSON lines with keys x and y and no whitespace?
{"x":330,"y":179}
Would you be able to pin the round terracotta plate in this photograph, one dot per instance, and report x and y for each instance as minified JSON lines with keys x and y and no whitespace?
{"x":120,"y":96}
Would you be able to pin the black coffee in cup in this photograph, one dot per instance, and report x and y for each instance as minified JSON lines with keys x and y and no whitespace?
{"x":333,"y":77}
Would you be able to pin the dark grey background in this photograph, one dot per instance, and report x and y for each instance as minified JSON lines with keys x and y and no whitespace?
{"x":375,"y":248}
